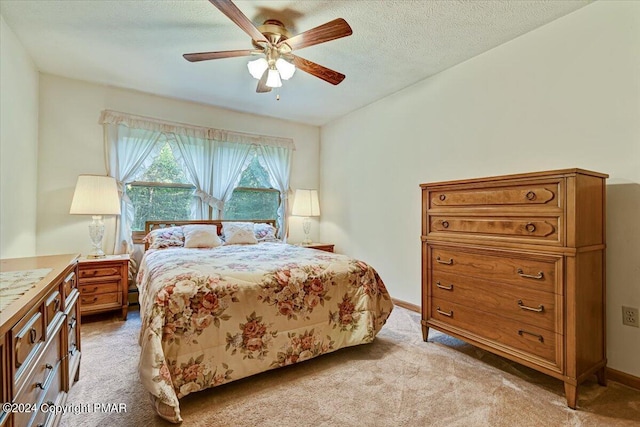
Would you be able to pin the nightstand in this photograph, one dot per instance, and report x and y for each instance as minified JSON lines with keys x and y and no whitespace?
{"x":319,"y":246}
{"x":103,"y":284}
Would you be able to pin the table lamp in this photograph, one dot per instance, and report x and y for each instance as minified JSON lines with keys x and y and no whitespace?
{"x":305,"y":204}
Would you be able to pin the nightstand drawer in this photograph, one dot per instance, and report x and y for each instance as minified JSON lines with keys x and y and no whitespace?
{"x":98,"y":271}
{"x":99,"y":288}
{"x":98,"y":300}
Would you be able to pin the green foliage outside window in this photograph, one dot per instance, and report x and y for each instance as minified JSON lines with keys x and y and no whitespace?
{"x":253,"y":198}
{"x":164,"y":193}
{"x":154,"y":201}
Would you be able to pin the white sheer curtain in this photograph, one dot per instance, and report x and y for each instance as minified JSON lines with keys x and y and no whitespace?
{"x":228,"y":161}
{"x":129,"y":152}
{"x":277,"y":161}
{"x":197,"y":155}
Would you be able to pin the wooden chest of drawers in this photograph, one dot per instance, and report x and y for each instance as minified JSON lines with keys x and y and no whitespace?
{"x":40,"y":354}
{"x":103,"y":284}
{"x":516,"y":265}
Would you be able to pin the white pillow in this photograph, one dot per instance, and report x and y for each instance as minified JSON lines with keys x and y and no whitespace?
{"x":201,"y":236}
{"x":238,"y":233}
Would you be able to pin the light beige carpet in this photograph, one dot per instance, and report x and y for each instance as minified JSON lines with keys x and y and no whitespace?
{"x":399,"y":380}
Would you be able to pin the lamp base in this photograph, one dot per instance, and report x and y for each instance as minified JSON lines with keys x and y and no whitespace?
{"x":96,"y":233}
{"x":306,"y":227}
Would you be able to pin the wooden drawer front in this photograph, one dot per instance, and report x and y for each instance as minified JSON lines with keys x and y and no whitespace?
{"x":539,"y":229}
{"x":53,"y":305}
{"x":89,"y":302}
{"x":37,"y":392}
{"x":99,"y":288}
{"x":28,"y":337}
{"x":535,"y":271}
{"x":70,"y":283}
{"x":102,"y":271}
{"x":72,"y":330}
{"x":498,"y":331}
{"x":538,"y":194}
{"x":52,"y":396}
{"x":45,"y":364}
{"x":525,"y":305}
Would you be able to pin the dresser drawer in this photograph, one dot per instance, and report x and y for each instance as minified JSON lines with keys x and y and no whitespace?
{"x":45,"y":374}
{"x":542,"y":272}
{"x":499,"y":332}
{"x":70,"y":283}
{"x":96,"y":301}
{"x":53,"y":306}
{"x":518,"y":303}
{"x":28,"y":338}
{"x":541,"y":194}
{"x":98,"y":271}
{"x":544,"y":230}
{"x":99,"y":288}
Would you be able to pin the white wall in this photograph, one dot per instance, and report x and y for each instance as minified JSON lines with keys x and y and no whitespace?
{"x":18,"y":147}
{"x":565,"y":95}
{"x":71,"y":143}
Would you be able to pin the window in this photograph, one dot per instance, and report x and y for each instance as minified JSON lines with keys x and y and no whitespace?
{"x":162,"y":193}
{"x":253,"y":198}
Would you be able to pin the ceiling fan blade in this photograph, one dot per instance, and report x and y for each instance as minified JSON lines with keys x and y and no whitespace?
{"x":318,"y":70}
{"x":205,"y":56}
{"x":332,"y":30}
{"x":232,"y":12}
{"x":262,"y":83}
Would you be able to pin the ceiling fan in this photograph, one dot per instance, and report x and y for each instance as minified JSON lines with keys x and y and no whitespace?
{"x":274,"y":44}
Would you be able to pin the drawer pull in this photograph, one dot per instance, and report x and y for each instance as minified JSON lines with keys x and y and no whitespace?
{"x":538,"y":276}
{"x":438,"y":260}
{"x":524,"y":307}
{"x":95,"y":288}
{"x":72,"y":324}
{"x":40,"y":386}
{"x":33,"y":334}
{"x":72,"y":348}
{"x":530,"y":227}
{"x":442,"y":197}
{"x":86,"y":301}
{"x":444,"y":313}
{"x":530,"y":195}
{"x":445,"y":224}
{"x":446,"y":288}
{"x":521,"y":332}
{"x":56,"y":304}
{"x":48,"y":366}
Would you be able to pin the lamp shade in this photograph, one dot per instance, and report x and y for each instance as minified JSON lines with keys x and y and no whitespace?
{"x":95,"y":195}
{"x":306,"y":203}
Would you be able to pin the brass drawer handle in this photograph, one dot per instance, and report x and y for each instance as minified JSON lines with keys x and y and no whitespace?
{"x":86,"y":301}
{"x":530,"y":227}
{"x":530,"y":195}
{"x":524,"y":307}
{"x":33,"y":335}
{"x":442,"y":197}
{"x":444,"y":313}
{"x":521,"y":332}
{"x":446,"y":288}
{"x":538,"y":276}
{"x":438,"y":260}
{"x":445,"y":224}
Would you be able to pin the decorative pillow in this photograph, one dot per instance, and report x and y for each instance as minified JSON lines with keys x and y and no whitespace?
{"x":201,"y":236}
{"x":265,"y":232}
{"x":238,"y":233}
{"x":162,"y":238}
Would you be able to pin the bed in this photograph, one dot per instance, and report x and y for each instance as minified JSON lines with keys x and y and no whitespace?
{"x":213,"y":315}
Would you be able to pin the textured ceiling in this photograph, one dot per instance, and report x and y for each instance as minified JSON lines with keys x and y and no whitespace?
{"x":139,"y":45}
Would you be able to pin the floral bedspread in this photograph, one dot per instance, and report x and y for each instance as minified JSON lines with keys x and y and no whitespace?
{"x":211,"y":316}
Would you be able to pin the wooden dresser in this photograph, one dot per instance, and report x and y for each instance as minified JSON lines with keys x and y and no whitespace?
{"x":516,"y":265}
{"x":39,"y":337}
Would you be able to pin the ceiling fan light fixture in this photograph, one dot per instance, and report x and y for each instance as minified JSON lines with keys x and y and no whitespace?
{"x":273,"y":78}
{"x":285,"y":68}
{"x":257,"y":67}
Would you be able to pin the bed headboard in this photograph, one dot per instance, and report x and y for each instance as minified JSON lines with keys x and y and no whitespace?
{"x":153,"y":225}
